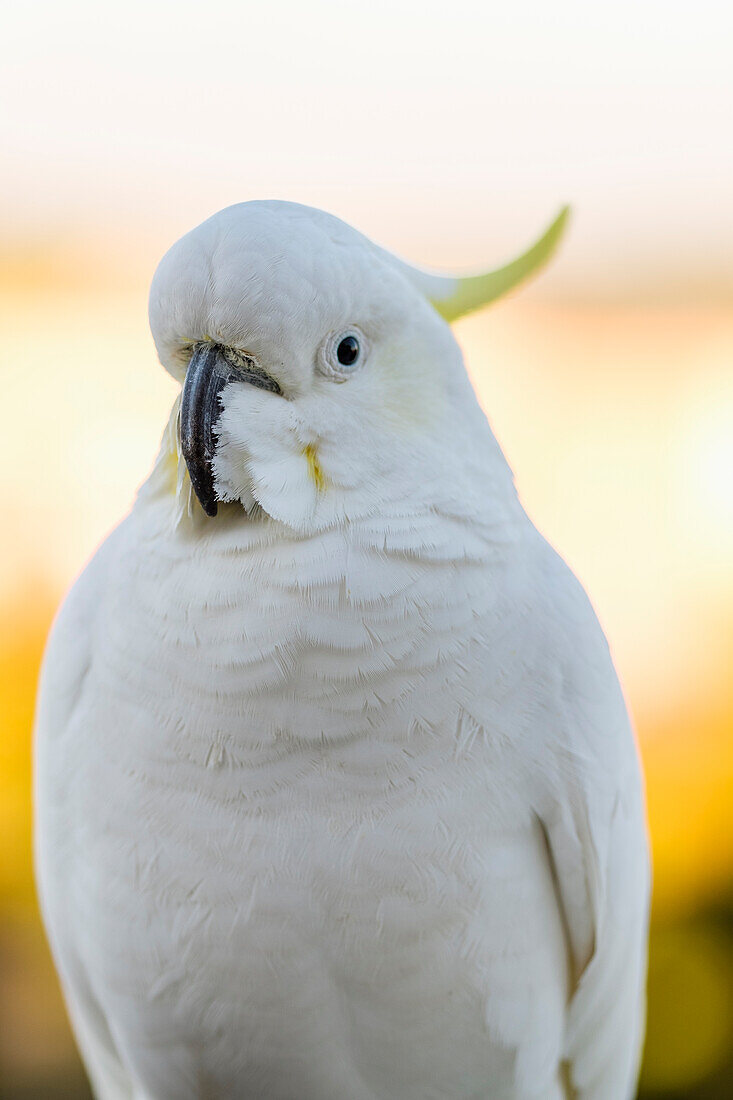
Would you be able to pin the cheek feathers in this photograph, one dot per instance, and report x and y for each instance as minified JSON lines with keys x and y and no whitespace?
{"x":264,"y":455}
{"x":409,"y":391}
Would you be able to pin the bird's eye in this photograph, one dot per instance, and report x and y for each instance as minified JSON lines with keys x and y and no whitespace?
{"x":342,"y":354}
{"x":348,"y":351}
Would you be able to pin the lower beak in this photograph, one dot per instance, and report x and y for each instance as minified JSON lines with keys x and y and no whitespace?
{"x":210,"y":368}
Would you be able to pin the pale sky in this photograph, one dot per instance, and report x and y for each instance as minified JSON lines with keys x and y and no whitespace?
{"x":448,"y":131}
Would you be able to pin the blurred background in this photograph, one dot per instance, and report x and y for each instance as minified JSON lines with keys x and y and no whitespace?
{"x":449,"y":133}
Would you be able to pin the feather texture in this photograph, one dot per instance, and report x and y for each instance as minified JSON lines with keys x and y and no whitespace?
{"x":336,"y":794}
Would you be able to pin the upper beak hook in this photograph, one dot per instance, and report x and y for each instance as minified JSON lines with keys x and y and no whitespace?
{"x":211,"y":368}
{"x":207,"y":374}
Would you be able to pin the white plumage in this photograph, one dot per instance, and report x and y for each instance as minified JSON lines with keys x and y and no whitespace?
{"x":336,"y":791}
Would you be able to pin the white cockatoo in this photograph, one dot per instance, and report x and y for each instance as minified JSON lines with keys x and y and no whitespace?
{"x":336,"y":792}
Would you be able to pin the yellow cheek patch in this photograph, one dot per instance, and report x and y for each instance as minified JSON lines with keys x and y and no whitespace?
{"x":170,"y":460}
{"x":168,"y":466}
{"x":314,"y":468}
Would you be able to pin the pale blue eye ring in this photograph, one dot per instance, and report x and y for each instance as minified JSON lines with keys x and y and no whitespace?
{"x":343,"y":353}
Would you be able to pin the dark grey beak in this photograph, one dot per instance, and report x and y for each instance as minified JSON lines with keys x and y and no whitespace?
{"x":210,"y":368}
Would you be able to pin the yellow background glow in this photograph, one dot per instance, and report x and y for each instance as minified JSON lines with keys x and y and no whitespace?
{"x":449,"y":133}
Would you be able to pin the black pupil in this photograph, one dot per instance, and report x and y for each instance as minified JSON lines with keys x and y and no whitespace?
{"x":348,"y":351}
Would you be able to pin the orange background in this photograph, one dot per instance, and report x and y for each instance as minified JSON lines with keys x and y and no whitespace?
{"x":449,"y":134}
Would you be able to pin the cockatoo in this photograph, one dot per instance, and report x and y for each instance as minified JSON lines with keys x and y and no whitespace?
{"x":336,"y":792}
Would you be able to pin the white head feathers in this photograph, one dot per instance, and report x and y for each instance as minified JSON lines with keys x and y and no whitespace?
{"x":359,"y":394}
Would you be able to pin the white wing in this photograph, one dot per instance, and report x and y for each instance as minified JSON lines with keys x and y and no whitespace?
{"x":595,"y":828}
{"x":65,"y":668}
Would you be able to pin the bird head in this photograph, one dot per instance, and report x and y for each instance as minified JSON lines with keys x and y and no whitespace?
{"x":320,"y":378}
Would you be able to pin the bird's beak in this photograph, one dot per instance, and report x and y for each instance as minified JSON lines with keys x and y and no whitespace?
{"x":210,"y":368}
